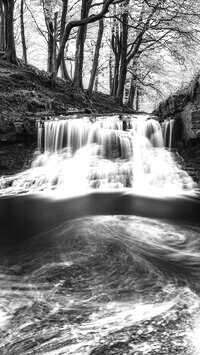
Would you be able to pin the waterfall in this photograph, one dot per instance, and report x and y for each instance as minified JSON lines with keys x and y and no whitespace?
{"x":171,"y":125}
{"x":168,"y":133}
{"x":39,"y":136}
{"x":165,"y":128}
{"x":95,"y":152}
{"x":76,"y":133}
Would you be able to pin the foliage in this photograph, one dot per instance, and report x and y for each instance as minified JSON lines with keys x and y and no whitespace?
{"x":143,"y":43}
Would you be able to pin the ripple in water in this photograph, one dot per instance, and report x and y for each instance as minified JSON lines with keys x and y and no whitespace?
{"x":102,"y":285}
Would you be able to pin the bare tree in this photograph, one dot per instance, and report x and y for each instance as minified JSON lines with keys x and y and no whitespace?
{"x":155,"y":24}
{"x":84,"y":21}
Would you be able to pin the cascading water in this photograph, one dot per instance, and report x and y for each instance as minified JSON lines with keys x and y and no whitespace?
{"x":134,"y":158}
{"x":39,"y":136}
{"x":96,"y":257}
{"x":171,"y":124}
{"x":90,"y":153}
{"x":167,"y":127}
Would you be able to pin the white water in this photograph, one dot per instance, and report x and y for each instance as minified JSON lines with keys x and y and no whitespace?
{"x":81,"y":154}
{"x":167,"y":128}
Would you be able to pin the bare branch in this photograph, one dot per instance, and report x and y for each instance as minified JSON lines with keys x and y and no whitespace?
{"x":38,"y":28}
{"x":78,"y":23}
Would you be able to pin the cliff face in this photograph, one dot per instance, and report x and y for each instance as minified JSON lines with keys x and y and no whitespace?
{"x":184,"y":108}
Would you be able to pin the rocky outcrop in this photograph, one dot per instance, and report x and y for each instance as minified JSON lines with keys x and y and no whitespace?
{"x":184,"y":108}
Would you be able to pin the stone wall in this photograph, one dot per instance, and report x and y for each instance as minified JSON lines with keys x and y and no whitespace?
{"x":184,"y":108}
{"x":186,"y":116}
{"x":195,"y":122}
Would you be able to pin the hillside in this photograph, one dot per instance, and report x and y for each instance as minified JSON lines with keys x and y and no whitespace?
{"x":26,"y":91}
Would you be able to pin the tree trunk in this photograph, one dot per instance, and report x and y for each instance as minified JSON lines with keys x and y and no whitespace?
{"x":116,"y":47}
{"x":123,"y":62}
{"x":65,"y":74}
{"x":116,"y":76}
{"x":64,"y":70}
{"x":96,"y":83}
{"x":110,"y":74}
{"x":79,"y":56}
{"x":51,"y":30}
{"x":50,"y":46}
{"x":54,"y":43}
{"x":63,"y":18}
{"x":131,"y":95}
{"x":137,"y":100}
{"x":2,"y":28}
{"x":24,"y":49}
{"x":10,"y":54}
{"x":96,"y":57}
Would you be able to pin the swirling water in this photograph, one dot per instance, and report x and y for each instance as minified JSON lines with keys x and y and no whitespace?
{"x":102,"y":285}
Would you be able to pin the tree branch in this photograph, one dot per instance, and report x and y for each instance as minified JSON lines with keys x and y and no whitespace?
{"x":78,"y":23}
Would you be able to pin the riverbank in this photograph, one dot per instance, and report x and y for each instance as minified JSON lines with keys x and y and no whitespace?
{"x":15,"y":158}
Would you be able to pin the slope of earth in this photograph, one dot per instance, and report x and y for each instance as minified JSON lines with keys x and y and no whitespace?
{"x":15,"y":158}
{"x":25,"y":90}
